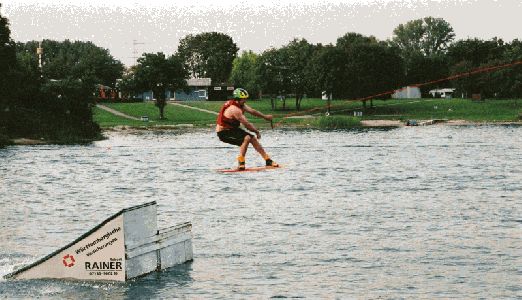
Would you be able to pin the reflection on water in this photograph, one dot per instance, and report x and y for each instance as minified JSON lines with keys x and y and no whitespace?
{"x":410,"y":212}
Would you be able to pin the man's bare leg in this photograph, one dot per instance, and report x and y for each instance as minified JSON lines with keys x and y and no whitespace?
{"x":244,"y":147}
{"x":258,"y":147}
{"x":262,"y":152}
{"x":242,"y":152}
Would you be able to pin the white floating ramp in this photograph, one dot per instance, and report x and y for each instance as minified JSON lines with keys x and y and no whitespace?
{"x":125,"y":246}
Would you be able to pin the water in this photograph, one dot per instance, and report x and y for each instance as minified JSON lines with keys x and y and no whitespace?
{"x":425,"y":212}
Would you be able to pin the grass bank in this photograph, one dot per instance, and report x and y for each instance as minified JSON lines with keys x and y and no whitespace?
{"x":174,"y":115}
{"x":312,"y":113}
{"x":336,"y":122}
{"x":452,"y":109}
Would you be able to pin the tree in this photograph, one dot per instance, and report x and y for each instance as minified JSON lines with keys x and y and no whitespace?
{"x":475,"y":54}
{"x":77,"y":60}
{"x":244,"y":72}
{"x":157,"y":73}
{"x":465,"y":84}
{"x":324,"y":69}
{"x":298,"y":55}
{"x":8,"y":66}
{"x":282,"y":71}
{"x":208,"y":54}
{"x":476,"y":51}
{"x":30,"y":106}
{"x":29,"y":73}
{"x":429,"y":36}
{"x":512,"y":87}
{"x":97,"y":66}
{"x":7,"y":49}
{"x":66,"y":110}
{"x":351,"y":39}
{"x":127,"y":85}
{"x":422,"y":69}
{"x":423,"y":42}
{"x":273,"y":73}
{"x":366,"y":67}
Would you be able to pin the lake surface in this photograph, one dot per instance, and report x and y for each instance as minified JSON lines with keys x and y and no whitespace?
{"x":413,"y":212}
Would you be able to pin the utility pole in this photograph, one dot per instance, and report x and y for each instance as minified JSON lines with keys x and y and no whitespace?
{"x":135,"y":50}
{"x":39,"y":51}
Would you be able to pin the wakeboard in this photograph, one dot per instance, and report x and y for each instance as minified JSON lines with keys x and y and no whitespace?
{"x":252,"y":169}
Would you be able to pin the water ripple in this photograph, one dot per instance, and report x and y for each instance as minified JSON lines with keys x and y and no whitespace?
{"x":402,"y":213}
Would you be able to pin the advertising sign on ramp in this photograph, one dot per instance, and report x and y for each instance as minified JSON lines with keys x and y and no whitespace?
{"x":124,"y":246}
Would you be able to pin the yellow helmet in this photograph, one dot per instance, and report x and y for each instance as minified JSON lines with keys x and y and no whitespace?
{"x":240,"y":93}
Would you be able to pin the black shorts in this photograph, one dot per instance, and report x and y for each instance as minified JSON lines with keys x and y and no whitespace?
{"x":234,"y":136}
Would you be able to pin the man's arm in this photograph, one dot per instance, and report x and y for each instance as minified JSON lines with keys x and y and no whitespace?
{"x":238,"y":115}
{"x":256,"y":113}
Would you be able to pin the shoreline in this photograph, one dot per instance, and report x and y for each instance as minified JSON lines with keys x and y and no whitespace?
{"x":364,"y":124}
{"x":397,"y":123}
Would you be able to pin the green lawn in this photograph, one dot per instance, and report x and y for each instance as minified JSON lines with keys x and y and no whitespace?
{"x":451,"y":109}
{"x":309,"y":105}
{"x":174,"y":115}
{"x":404,"y":109}
{"x":106,"y":119}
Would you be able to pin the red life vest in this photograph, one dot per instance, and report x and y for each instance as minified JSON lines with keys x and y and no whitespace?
{"x":228,"y":123}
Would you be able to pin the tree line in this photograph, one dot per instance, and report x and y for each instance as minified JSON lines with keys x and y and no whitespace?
{"x":355,"y":67}
{"x":55,"y":101}
{"x":53,"y":98}
{"x":358,"y":66}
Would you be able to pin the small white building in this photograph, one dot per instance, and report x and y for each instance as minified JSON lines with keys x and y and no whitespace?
{"x":407,"y":92}
{"x":442,"y":93}
{"x":324,"y":95}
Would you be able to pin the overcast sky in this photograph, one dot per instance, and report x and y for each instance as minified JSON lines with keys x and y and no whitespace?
{"x":158,"y":25}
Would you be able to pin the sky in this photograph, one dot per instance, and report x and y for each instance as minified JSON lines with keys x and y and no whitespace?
{"x":130,"y":27}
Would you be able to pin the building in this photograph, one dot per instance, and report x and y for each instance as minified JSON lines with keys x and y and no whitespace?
{"x":325,"y":96}
{"x":198,"y":89}
{"x":442,"y":93}
{"x":220,"y":92}
{"x":407,"y":92}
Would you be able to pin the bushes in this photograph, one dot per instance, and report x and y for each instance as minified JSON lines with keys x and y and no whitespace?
{"x":60,"y":111}
{"x":4,"y":140}
{"x":67,"y":111}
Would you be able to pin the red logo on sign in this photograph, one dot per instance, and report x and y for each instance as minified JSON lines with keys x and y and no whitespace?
{"x":68,"y":260}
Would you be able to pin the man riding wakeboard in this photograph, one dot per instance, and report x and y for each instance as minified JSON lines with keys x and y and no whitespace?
{"x":230,"y":117}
